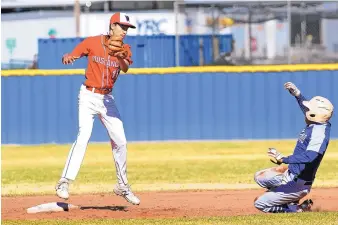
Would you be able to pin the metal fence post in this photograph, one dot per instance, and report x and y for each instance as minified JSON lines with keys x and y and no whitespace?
{"x":177,"y":43}
{"x":289,"y":35}
{"x":77,"y":12}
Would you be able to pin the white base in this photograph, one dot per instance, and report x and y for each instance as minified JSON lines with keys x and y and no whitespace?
{"x":52,"y":207}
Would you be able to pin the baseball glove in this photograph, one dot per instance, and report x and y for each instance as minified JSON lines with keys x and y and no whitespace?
{"x":114,"y":44}
{"x":123,"y":53}
{"x":116,"y":47}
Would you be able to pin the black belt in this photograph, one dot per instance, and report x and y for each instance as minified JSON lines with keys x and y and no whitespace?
{"x":297,"y":178}
{"x":306,"y":182}
{"x":103,"y":91}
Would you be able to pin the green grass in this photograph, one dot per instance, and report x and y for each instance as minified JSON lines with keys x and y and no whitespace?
{"x":271,"y":219}
{"x":36,"y":169}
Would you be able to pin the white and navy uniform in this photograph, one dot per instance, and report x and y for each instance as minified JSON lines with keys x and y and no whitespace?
{"x":295,"y":183}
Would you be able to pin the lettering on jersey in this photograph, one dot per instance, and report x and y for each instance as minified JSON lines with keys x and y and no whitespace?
{"x":105,"y":62}
{"x":302,"y":136}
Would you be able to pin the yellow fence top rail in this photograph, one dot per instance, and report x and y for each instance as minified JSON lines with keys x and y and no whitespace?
{"x":173,"y":70}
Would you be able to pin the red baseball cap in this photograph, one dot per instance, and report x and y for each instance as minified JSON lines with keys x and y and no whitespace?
{"x":121,"y":18}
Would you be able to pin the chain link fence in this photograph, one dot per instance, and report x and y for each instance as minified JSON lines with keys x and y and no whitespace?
{"x":281,"y":32}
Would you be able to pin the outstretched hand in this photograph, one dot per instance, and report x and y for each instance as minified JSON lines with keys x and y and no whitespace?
{"x":68,"y":59}
{"x":292,"y":88}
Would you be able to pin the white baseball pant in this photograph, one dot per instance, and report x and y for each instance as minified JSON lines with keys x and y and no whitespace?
{"x":282,"y":191}
{"x":91,"y":104}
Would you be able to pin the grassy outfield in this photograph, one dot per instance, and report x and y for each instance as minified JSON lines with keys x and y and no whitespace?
{"x":271,"y":219}
{"x":151,"y":166}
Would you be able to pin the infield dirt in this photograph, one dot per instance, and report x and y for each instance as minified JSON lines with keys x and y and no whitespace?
{"x":165,"y":204}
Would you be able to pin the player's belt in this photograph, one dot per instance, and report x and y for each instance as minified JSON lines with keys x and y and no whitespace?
{"x":306,"y":182}
{"x":102,"y":91}
{"x":296,"y":179}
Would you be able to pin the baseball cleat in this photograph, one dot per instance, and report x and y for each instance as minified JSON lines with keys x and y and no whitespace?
{"x":306,"y":206}
{"x":62,"y":188}
{"x":126,"y":193}
{"x":295,"y":203}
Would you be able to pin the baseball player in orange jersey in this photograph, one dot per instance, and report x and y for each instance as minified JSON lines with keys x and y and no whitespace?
{"x":107,"y":56}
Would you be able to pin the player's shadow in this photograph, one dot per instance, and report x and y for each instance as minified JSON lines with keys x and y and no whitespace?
{"x":110,"y":208}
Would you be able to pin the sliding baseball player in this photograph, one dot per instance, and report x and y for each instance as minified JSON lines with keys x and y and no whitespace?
{"x":287,"y":185}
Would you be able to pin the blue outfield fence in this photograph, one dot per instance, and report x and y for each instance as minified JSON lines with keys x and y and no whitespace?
{"x":183,"y":106}
{"x":148,"y":51}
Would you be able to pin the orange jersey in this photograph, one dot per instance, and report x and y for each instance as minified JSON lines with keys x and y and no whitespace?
{"x":102,"y":68}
